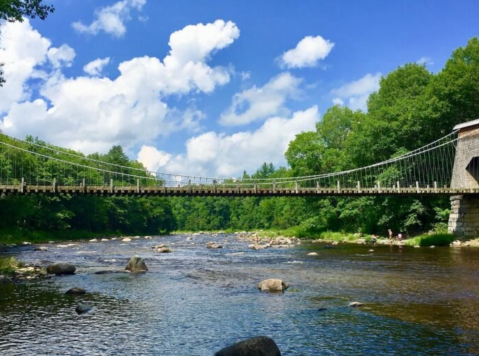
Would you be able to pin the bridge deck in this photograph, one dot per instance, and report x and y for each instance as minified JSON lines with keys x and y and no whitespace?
{"x":220,"y":191}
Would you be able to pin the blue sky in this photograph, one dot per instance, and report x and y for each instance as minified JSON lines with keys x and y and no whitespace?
{"x":220,"y":96}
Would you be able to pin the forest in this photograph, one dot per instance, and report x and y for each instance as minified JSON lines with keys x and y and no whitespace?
{"x":412,"y":107}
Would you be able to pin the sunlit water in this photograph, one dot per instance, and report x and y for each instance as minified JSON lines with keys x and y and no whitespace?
{"x":196,"y":301}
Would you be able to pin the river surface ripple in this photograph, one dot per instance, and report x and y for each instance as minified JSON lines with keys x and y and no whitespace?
{"x":195,"y":301}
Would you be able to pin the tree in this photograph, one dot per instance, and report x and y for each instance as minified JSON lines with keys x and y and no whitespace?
{"x":15,"y":10}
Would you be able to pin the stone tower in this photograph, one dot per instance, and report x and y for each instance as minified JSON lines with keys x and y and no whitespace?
{"x":464,"y":218}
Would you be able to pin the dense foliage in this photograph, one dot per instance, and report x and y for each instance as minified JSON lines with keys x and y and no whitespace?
{"x":412,"y":108}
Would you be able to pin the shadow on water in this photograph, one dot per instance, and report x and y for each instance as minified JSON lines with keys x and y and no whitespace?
{"x":195,"y":301}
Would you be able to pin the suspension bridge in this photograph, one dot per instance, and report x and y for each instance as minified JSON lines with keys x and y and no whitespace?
{"x":447,"y":166}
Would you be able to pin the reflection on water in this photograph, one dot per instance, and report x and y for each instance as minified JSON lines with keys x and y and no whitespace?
{"x":196,"y":301}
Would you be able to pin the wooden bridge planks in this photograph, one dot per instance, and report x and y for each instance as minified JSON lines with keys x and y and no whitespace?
{"x":217,"y":191}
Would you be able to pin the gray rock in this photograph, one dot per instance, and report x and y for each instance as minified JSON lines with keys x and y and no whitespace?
{"x":272,"y":285}
{"x":75,"y":291}
{"x":61,"y":268}
{"x":213,"y":245}
{"x":41,"y":248}
{"x":137,"y":265}
{"x":256,"y":346}
{"x":83,"y":308}
{"x":164,"y":250}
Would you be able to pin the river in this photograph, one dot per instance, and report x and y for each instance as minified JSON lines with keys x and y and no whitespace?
{"x":195,"y":301}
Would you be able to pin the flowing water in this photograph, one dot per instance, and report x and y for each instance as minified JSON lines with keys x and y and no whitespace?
{"x":196,"y":301}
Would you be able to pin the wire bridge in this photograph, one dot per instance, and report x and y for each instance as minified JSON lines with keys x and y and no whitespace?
{"x":33,"y":167}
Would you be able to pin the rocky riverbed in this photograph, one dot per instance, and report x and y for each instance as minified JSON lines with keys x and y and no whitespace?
{"x":202,"y":292}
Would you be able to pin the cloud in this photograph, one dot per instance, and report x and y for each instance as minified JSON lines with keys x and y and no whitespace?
{"x":21,"y":50}
{"x":221,"y":155}
{"x":152,"y":158}
{"x":63,"y":55}
{"x":111,"y":19}
{"x":355,"y":94}
{"x":260,"y":103}
{"x":426,"y":61}
{"x":95,"y":67}
{"x":308,"y":52}
{"x":92,"y":113}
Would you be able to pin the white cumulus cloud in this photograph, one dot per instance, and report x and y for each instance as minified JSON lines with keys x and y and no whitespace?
{"x":63,"y":55}
{"x":307,"y":53}
{"x":260,"y":103}
{"x":221,"y":155}
{"x":92,"y":113}
{"x":111,"y":19}
{"x":152,"y":158}
{"x":96,"y":67}
{"x":21,"y":50}
{"x":355,"y":94}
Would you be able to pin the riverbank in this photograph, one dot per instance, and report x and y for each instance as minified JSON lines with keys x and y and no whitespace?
{"x":20,"y":236}
{"x":422,"y":240}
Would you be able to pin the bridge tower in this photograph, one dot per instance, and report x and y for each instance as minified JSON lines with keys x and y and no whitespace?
{"x":464,"y":218}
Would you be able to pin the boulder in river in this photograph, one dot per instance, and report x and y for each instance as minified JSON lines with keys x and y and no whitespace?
{"x":272,"y":285}
{"x":164,"y":249}
{"x":93,"y":240}
{"x":41,"y":248}
{"x":83,"y":308}
{"x":355,"y":304}
{"x":61,"y":268}
{"x":213,"y":245}
{"x":136,"y":265}
{"x":312,"y":254}
{"x":75,"y":291}
{"x":126,"y":239}
{"x":256,"y":346}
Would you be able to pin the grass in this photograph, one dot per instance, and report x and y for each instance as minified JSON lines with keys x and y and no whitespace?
{"x":434,"y":239}
{"x":8,"y":265}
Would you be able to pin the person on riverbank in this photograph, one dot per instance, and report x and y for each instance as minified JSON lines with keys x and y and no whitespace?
{"x":390,"y":232}
{"x":373,"y":239}
{"x":399,"y":237}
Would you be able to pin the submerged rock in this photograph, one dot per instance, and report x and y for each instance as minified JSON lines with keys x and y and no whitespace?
{"x":258,"y":246}
{"x":5,"y":280}
{"x":256,"y":346}
{"x":272,"y":285}
{"x":61,"y":268}
{"x":136,"y":265}
{"x":41,"y":248}
{"x":83,"y":308}
{"x":75,"y":291}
